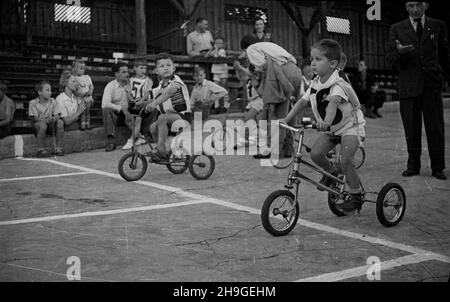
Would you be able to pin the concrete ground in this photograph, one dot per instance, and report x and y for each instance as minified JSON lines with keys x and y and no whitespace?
{"x":174,"y":228}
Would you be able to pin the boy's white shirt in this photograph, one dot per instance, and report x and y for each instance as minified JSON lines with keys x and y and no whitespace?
{"x":167,"y":105}
{"x":350,"y":116}
{"x":258,"y":52}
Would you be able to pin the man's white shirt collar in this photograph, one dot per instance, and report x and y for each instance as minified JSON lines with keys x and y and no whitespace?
{"x":411,"y":19}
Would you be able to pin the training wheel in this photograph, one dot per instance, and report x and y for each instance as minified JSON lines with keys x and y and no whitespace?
{"x":201,"y":166}
{"x":391,"y":204}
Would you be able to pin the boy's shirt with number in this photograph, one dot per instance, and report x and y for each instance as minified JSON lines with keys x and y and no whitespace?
{"x":139,"y":87}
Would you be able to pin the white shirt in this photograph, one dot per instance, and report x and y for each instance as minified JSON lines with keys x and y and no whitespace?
{"x":139,"y":87}
{"x":197,"y":41}
{"x":316,"y":95}
{"x":414,"y":23}
{"x":67,"y":105}
{"x":257,"y":53}
{"x":114,"y":96}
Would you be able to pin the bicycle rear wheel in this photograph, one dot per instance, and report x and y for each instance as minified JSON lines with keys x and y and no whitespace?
{"x":221,"y":139}
{"x":279,"y":214}
{"x":391,"y":204}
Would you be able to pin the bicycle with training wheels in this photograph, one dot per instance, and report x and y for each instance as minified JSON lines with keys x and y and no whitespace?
{"x":280,"y":211}
{"x":133,"y":165}
{"x":334,"y":154}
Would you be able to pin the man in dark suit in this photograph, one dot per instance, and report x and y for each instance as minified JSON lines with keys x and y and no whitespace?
{"x":419,"y":47}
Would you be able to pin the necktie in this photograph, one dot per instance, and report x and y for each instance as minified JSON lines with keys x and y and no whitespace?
{"x":419,"y":29}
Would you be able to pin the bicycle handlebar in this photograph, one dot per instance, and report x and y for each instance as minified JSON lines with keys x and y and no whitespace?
{"x":306,"y":125}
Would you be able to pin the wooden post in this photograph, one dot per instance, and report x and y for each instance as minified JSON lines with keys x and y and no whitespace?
{"x":141,"y":28}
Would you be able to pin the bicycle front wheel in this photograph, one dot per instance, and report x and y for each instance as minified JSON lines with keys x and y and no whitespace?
{"x":279,"y":214}
{"x":132,"y":166}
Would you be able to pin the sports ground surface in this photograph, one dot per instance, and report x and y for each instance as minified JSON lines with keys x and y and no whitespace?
{"x":174,"y":228}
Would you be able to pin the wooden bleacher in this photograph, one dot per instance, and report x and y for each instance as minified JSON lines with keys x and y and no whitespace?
{"x":22,"y":72}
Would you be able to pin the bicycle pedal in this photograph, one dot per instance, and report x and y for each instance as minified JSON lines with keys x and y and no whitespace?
{"x":288,"y":187}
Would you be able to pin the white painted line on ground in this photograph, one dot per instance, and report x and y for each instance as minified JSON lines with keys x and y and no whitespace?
{"x":101,"y":213}
{"x":310,"y":224}
{"x":43,"y":176}
{"x":362,"y":270}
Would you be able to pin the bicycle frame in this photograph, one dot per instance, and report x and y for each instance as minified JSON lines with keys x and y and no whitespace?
{"x":295,"y":175}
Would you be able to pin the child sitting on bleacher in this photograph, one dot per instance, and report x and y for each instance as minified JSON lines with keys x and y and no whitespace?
{"x":46,"y":117}
{"x":206,"y":93}
{"x":219,"y":71}
{"x":84,"y":91}
{"x":171,"y":99}
{"x":138,"y":91}
{"x":69,"y":105}
{"x":7,"y":109}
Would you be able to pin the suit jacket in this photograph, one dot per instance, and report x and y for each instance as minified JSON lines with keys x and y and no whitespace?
{"x":425,"y":65}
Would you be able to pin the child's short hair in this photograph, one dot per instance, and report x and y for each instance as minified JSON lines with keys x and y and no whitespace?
{"x":116,"y":67}
{"x":65,"y":76}
{"x":163,"y":56}
{"x":199,"y":69}
{"x":331,"y":49}
{"x":343,"y":61}
{"x":3,"y":86}
{"x":200,"y":19}
{"x":138,"y":63}
{"x":77,"y":61}
{"x":39,"y":86}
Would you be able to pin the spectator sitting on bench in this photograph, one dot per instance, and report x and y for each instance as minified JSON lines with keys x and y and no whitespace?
{"x":69,"y":106}
{"x":367,"y":90}
{"x":219,"y":71}
{"x":7,"y":109}
{"x":46,"y":117}
{"x":205,"y":93}
{"x":115,"y":104}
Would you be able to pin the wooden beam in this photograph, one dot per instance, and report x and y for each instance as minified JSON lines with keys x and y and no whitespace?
{"x":141,"y":33}
{"x":179,"y":7}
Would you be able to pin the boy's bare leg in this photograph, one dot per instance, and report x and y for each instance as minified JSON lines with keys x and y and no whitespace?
{"x":137,"y":126}
{"x":164,"y":121}
{"x":59,"y":133}
{"x":41,"y":129}
{"x":319,"y":152}
{"x":349,"y":146}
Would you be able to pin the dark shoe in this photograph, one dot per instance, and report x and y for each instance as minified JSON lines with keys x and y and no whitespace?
{"x":110,"y":147}
{"x":351,"y":203}
{"x":377,"y":114}
{"x":43,"y":154}
{"x":259,"y":156}
{"x":439,"y":175}
{"x":327,"y":182}
{"x":409,"y":173}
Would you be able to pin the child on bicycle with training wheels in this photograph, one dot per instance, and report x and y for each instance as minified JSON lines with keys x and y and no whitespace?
{"x":336,"y":109}
{"x":171,"y":99}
